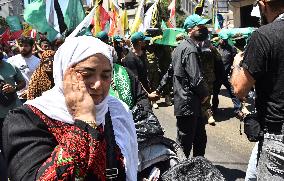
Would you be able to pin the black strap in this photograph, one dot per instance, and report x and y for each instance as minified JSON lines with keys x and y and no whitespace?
{"x":111,"y":160}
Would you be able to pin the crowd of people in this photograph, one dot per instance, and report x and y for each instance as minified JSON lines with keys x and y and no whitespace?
{"x":68,"y":108}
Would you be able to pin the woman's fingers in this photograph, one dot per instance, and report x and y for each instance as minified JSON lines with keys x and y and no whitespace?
{"x":67,"y":82}
{"x":75,"y":82}
{"x":81,"y":83}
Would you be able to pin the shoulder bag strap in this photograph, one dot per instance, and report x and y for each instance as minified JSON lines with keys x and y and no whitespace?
{"x":111,"y":160}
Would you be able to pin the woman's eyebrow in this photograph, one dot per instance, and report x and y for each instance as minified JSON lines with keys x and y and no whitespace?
{"x":85,"y":69}
{"x":107,"y":71}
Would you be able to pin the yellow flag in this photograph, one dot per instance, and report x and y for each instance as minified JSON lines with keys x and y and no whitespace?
{"x":124,"y":21}
{"x":97,"y":27}
{"x":139,"y":17}
{"x":27,"y":30}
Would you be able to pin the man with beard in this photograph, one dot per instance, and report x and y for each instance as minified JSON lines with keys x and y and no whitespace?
{"x":263,"y":66}
{"x":190,"y":90}
{"x":26,"y":62}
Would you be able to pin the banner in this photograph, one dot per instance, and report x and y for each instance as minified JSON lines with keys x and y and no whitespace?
{"x":14,"y":23}
{"x":84,"y":24}
{"x":139,"y":17}
{"x":172,"y":20}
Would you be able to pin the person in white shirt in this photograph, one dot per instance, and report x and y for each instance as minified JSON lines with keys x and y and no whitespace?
{"x":26,"y":62}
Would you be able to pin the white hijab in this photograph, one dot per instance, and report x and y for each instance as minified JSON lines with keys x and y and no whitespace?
{"x":52,"y":103}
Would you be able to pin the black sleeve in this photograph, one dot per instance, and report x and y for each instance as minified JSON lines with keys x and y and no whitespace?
{"x":256,"y":55}
{"x":26,"y":145}
{"x":139,"y":95}
{"x":130,"y":63}
{"x":193,"y":69}
{"x":166,"y":78}
{"x":33,"y":153}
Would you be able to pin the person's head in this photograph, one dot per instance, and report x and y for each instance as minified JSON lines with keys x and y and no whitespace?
{"x":270,"y":9}
{"x":57,"y":43}
{"x":117,"y":40}
{"x":15,"y":50}
{"x":89,"y":57}
{"x":42,"y":36}
{"x":138,"y":40}
{"x":26,"y":46}
{"x":45,"y":45}
{"x":195,"y":27}
{"x":47,"y":61}
{"x":103,"y":36}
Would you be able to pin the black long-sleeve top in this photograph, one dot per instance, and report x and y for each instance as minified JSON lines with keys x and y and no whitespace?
{"x":188,"y":82}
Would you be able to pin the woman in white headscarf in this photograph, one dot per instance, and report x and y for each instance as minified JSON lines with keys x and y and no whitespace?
{"x":74,"y":131}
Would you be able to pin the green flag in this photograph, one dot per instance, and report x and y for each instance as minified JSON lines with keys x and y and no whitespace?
{"x":35,"y":15}
{"x":163,"y":25}
{"x":74,"y":14}
{"x":53,"y":16}
{"x":14,"y":23}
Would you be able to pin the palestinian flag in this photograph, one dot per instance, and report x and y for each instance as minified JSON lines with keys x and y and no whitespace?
{"x":54,"y":16}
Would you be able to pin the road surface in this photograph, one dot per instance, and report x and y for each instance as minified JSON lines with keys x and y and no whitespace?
{"x":226,"y":148}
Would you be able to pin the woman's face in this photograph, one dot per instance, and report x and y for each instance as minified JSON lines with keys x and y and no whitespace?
{"x":96,"y":72}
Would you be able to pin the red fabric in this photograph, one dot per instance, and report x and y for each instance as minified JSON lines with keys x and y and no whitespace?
{"x":77,"y":154}
{"x":113,"y":25}
{"x":5,"y":37}
{"x":104,"y":17}
{"x":16,"y":35}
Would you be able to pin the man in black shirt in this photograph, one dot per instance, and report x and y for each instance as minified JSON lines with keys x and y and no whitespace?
{"x":190,"y":89}
{"x":136,"y":59}
{"x":222,"y":71}
{"x":263,"y":66}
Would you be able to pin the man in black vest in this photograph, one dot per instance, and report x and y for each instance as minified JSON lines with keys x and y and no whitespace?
{"x":190,"y":90}
{"x":263,"y":66}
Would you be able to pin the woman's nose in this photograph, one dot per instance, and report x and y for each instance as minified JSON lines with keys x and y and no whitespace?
{"x":96,"y":85}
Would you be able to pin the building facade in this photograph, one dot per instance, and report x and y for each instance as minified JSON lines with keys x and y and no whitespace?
{"x":242,"y":13}
{"x":11,"y":8}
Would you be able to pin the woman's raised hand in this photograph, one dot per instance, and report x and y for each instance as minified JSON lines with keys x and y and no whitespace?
{"x":79,"y":102}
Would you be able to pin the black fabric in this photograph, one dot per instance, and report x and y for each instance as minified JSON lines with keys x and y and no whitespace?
{"x":264,"y":60}
{"x":138,"y":65}
{"x":188,"y":82}
{"x":27,"y":143}
{"x":193,"y":169}
{"x":227,"y":53}
{"x":111,"y":161}
{"x":146,"y":124}
{"x":216,"y":90}
{"x":60,"y":17}
{"x":252,"y":128}
{"x":6,"y":99}
{"x":191,"y":132}
{"x":1,"y":126}
{"x":139,"y":95}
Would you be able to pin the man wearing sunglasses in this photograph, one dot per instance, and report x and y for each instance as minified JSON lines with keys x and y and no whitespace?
{"x":263,"y":66}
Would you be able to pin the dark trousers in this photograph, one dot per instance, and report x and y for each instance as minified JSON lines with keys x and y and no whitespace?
{"x":3,"y":168}
{"x":191,"y":133}
{"x":216,"y":90}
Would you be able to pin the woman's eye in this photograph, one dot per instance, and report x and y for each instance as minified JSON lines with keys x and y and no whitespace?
{"x":105,"y":76}
{"x":85,"y":74}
